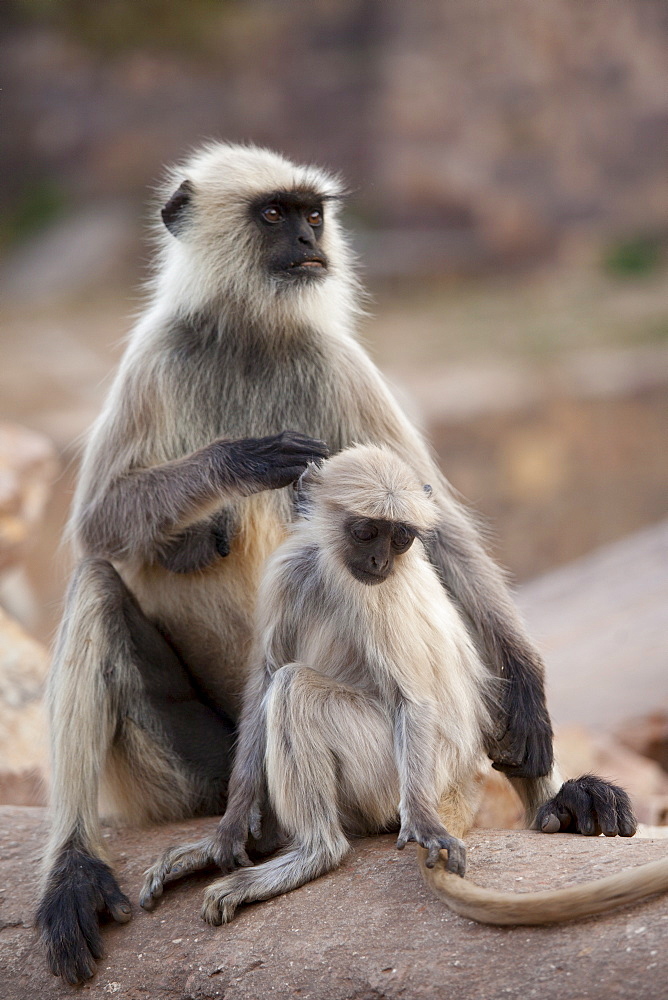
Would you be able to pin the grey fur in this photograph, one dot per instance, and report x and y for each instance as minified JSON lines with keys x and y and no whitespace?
{"x":223,"y":352}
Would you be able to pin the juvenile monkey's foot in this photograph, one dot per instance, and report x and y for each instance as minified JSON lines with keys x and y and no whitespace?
{"x":435,"y":840}
{"x":588,"y":805}
{"x":174,"y":864}
{"x":222,"y":898}
{"x":81,"y":889}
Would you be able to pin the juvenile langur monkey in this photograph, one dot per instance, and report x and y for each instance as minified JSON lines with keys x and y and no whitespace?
{"x":367,"y":709}
{"x":242,"y":365}
{"x":366,"y":704}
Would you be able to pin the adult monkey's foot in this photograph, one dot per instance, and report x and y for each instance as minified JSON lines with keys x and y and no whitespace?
{"x":81,"y":888}
{"x":588,"y":805}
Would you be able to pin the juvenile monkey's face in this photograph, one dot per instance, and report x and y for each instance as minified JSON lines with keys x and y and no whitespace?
{"x":291,"y":226}
{"x":371,"y":546}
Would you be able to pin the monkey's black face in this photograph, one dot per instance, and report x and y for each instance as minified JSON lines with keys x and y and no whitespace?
{"x":291,"y":225}
{"x":371,"y":546}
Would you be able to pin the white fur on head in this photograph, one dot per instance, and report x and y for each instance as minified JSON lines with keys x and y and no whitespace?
{"x":373,"y":481}
{"x":215,"y":260}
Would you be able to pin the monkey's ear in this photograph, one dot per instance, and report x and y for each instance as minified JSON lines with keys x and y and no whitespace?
{"x":427,"y":489}
{"x":176,"y":210}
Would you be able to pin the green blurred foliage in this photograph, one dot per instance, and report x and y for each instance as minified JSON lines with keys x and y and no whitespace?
{"x":638,"y":257}
{"x":115,"y":25}
{"x":41,"y":203}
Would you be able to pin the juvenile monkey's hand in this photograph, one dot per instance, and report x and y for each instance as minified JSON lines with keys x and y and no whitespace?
{"x":270,"y":463}
{"x":588,"y":805}
{"x":231,"y":838}
{"x":434,"y":838}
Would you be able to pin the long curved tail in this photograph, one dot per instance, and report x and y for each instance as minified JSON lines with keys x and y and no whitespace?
{"x":549,"y":906}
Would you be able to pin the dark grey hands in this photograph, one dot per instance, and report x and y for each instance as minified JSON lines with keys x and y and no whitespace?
{"x":145,"y":511}
{"x":270,"y":463}
{"x":435,"y":838}
{"x":588,"y":805}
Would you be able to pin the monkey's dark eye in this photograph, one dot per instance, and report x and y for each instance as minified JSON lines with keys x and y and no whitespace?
{"x":402,"y":539}
{"x":271,"y":214}
{"x":314,"y":218}
{"x":364,"y":531}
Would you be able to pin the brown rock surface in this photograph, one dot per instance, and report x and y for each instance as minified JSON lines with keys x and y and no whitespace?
{"x":27,"y":468}
{"x":367,"y":931}
{"x":23,"y":668}
{"x":647,"y":735}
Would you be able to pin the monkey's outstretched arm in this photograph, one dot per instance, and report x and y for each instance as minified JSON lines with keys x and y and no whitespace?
{"x":522,"y":746}
{"x":141,"y":510}
{"x":415,"y":742}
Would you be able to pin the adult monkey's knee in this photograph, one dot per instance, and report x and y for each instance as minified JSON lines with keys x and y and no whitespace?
{"x":93,"y":608}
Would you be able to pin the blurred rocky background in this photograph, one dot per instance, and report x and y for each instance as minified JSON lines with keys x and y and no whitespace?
{"x":508,"y":171}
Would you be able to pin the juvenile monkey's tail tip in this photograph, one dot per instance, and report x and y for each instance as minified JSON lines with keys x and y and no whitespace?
{"x":488,"y":906}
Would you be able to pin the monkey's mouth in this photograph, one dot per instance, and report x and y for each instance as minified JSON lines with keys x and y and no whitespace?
{"x":370,"y":579}
{"x":309,"y":264}
{"x":305,"y":270}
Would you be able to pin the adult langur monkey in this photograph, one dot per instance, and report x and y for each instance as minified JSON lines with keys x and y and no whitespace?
{"x":368,"y":709}
{"x":244,"y":361}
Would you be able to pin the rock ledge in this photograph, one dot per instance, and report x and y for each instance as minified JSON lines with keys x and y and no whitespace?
{"x":369,"y":930}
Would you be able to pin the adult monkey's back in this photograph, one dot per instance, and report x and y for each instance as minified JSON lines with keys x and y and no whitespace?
{"x":244,"y":361}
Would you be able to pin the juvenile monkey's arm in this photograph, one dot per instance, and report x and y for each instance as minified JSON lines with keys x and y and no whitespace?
{"x":227,"y":846}
{"x":276,"y":648}
{"x":140,"y":511}
{"x":416,"y":743}
{"x":243,"y":812}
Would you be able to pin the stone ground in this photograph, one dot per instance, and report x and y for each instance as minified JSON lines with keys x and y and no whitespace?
{"x":368,"y":931}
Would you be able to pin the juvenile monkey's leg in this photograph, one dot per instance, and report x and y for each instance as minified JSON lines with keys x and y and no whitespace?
{"x":109,"y":704}
{"x":330,"y":768}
